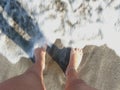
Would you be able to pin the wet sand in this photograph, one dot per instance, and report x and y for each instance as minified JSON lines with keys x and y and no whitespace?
{"x":99,"y":68}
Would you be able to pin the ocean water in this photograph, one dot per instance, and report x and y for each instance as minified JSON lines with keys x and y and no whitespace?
{"x":26,"y":24}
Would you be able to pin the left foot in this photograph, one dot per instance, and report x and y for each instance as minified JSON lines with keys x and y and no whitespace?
{"x":40,"y":57}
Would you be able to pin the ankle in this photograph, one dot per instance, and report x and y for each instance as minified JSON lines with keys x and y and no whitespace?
{"x":71,"y":74}
{"x":71,"y":71}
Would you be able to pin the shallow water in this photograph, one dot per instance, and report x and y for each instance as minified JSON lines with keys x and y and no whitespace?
{"x":25,"y":24}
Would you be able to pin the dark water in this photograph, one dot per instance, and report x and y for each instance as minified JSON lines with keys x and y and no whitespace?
{"x":14,"y":10}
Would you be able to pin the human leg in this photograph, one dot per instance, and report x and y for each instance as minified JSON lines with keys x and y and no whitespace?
{"x":72,"y":80}
{"x":32,"y":79}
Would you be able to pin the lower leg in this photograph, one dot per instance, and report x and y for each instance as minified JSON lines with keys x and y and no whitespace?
{"x":32,"y":79}
{"x":72,"y":80}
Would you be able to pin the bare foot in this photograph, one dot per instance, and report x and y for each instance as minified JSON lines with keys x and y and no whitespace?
{"x":40,"y":57}
{"x":75,"y":59}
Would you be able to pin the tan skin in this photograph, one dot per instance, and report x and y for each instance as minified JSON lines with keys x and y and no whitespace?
{"x":72,"y":80}
{"x":32,"y":79}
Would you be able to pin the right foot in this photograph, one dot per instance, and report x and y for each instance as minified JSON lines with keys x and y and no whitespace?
{"x":75,"y":59}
